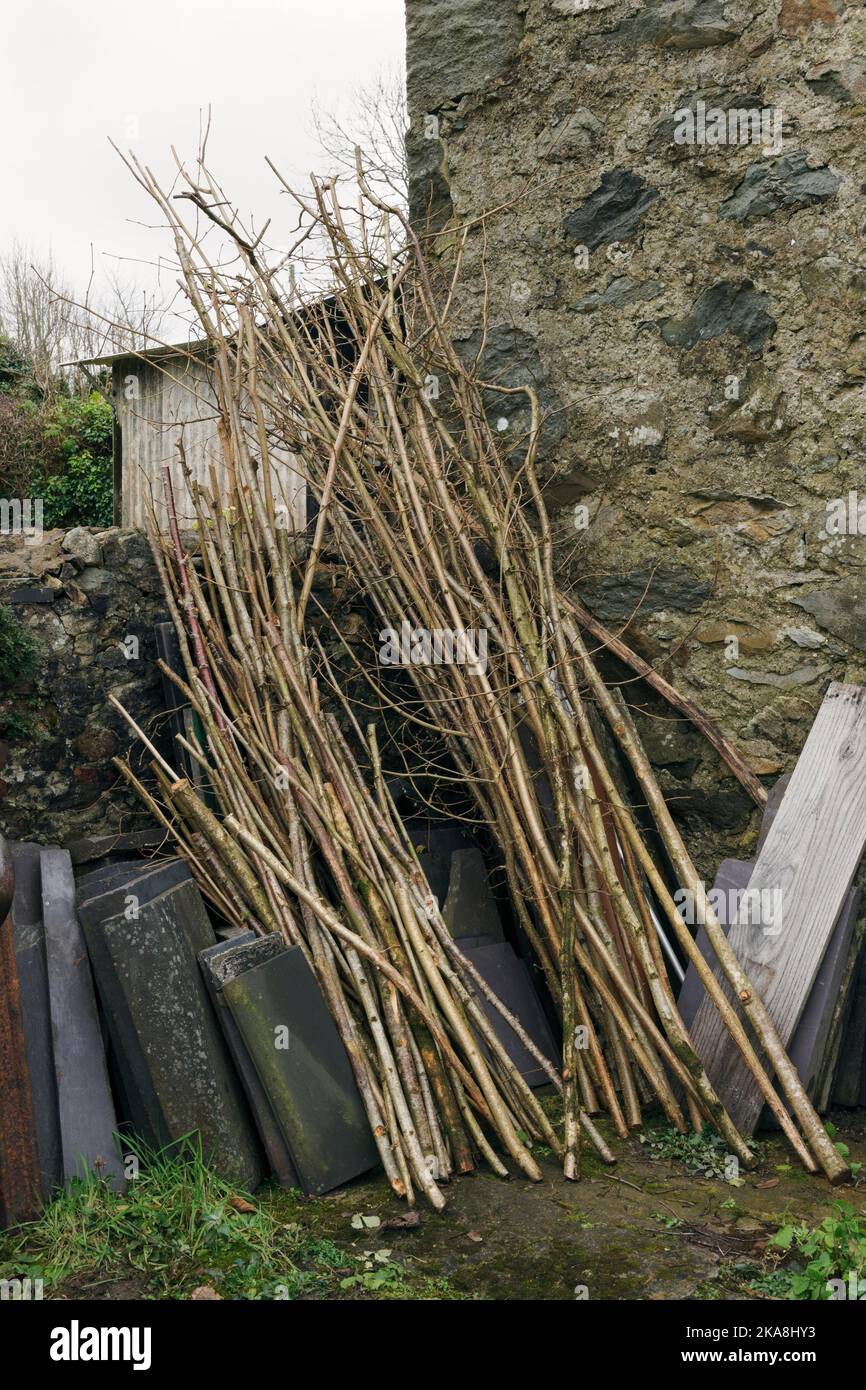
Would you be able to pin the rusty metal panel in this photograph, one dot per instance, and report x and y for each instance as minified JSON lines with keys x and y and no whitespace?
{"x":19,"y":1160}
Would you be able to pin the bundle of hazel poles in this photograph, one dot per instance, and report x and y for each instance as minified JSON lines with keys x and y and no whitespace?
{"x":439,"y":526}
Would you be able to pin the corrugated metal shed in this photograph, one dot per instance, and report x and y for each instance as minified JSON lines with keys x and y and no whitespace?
{"x":159,"y":397}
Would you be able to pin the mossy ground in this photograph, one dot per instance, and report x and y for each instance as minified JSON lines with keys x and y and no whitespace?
{"x":646,"y":1229}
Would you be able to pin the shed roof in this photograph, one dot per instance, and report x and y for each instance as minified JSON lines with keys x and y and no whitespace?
{"x":193,"y":348}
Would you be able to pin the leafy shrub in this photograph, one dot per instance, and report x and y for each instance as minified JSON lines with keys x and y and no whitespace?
{"x":23,"y":450}
{"x":81,"y":491}
{"x":17,"y":378}
{"x":58,"y":449}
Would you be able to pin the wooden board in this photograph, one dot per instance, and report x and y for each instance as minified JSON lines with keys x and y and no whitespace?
{"x":808,"y":1046}
{"x":165,"y":395}
{"x":802,"y":875}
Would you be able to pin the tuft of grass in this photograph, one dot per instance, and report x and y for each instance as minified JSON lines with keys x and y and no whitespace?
{"x":178,"y":1226}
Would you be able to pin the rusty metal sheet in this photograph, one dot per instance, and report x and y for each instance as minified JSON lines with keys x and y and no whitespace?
{"x":19,"y":1159}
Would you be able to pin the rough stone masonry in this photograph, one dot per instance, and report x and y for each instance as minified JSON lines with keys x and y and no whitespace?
{"x":89,"y":600}
{"x":675,"y":257}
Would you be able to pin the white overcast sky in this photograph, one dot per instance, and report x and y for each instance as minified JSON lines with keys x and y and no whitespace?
{"x":72,"y":74}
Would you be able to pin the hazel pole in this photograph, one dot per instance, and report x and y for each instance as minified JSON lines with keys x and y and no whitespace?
{"x":753,"y":1007}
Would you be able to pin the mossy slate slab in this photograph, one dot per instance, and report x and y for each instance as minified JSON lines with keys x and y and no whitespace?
{"x":305,"y":1069}
{"x":144,"y":880}
{"x":29,"y":943}
{"x":511,"y":982}
{"x":163,"y":1025}
{"x":271,"y":1135}
{"x":88,"y":1123}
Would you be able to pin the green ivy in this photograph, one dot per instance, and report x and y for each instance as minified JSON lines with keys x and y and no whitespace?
{"x":704,"y":1155}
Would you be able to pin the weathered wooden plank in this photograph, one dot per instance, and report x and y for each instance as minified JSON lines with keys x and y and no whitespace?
{"x":158,"y":400}
{"x":796,"y":891}
{"x":88,"y":1123}
{"x":809,"y":1044}
{"x":774,"y":801}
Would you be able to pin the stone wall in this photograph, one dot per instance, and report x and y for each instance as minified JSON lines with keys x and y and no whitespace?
{"x":692,"y":311}
{"x":90,"y":600}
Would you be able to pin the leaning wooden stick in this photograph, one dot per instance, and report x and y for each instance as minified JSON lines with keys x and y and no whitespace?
{"x":451,"y":663}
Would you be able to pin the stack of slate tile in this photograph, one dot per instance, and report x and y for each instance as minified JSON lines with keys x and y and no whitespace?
{"x":457,"y":874}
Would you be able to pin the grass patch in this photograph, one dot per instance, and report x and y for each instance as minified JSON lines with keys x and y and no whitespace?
{"x":179,"y":1226}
